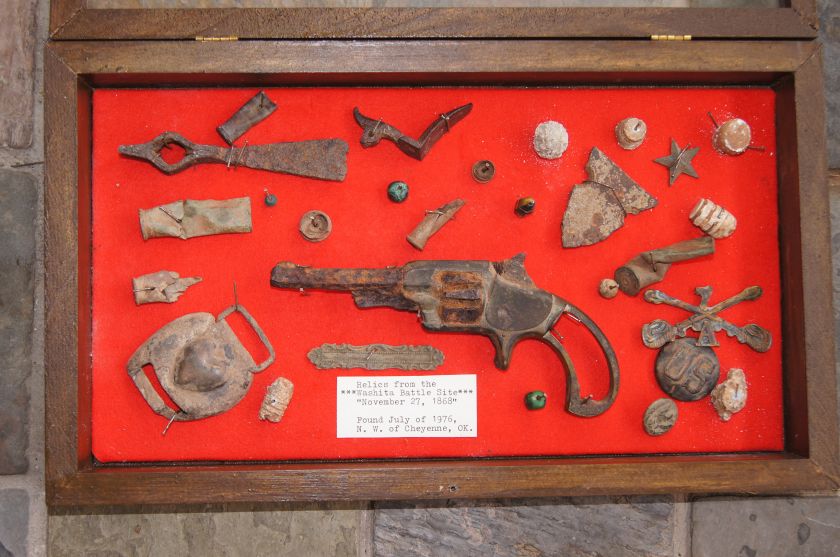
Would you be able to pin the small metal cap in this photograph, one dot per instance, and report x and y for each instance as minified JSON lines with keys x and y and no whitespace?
{"x":315,"y":226}
{"x":483,"y":171}
{"x":525,"y":206}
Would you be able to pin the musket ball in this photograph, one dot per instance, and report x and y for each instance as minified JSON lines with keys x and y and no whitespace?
{"x":608,"y":288}
{"x":732,"y":137}
{"x":551,"y":140}
{"x":397,"y":191}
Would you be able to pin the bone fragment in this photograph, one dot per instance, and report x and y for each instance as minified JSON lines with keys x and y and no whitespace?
{"x":163,"y":286}
{"x":432,"y":222}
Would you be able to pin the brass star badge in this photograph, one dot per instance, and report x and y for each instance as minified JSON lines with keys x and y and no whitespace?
{"x":679,"y":162}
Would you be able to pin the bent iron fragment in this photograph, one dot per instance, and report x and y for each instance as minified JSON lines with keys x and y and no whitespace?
{"x":376,"y":130}
{"x":252,"y":113}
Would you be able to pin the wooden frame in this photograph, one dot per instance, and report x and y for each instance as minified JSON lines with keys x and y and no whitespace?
{"x":74,"y":19}
{"x":73,"y":69}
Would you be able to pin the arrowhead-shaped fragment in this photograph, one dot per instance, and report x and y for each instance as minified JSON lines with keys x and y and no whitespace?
{"x":597,"y":207}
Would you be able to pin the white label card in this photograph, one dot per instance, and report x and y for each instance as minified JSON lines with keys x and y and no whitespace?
{"x":406,"y":406}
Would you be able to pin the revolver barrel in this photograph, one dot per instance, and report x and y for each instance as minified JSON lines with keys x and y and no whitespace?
{"x":290,"y":275}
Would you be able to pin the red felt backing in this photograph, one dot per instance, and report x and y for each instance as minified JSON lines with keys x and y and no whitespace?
{"x":369,"y":231}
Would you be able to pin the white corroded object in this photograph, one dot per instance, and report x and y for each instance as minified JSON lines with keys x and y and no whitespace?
{"x":276,"y":400}
{"x":630,"y":133}
{"x":608,"y":288}
{"x":163,"y":286}
{"x":713,"y":219}
{"x":730,"y":396}
{"x":551,"y":140}
{"x":732,"y":137}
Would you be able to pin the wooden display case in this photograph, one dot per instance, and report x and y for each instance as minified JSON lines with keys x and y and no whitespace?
{"x":478,"y":48}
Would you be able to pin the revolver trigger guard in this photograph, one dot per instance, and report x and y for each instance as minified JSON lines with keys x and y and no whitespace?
{"x":585,"y":407}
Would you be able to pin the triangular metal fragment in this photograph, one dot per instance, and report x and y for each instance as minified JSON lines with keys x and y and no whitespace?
{"x":597,"y":207}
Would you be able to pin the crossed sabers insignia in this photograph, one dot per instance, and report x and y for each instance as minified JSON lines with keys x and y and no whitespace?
{"x":705,"y":321}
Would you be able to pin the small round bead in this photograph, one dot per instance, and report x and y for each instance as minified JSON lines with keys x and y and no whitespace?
{"x":397,"y":191}
{"x":270,"y":199}
{"x":525,"y":206}
{"x":535,"y":400}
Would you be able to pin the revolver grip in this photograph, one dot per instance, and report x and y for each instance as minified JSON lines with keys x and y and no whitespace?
{"x":584,"y":407}
{"x":505,"y":340}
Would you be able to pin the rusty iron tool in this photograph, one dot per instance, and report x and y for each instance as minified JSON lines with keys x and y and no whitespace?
{"x":252,"y":113}
{"x":494,"y":299}
{"x":649,"y":267}
{"x":376,"y":130}
{"x":705,"y":321}
{"x":597,"y":207}
{"x":325,"y":159}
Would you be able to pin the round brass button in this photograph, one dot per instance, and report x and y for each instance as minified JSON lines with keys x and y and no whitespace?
{"x":483,"y":171}
{"x":315,"y":226}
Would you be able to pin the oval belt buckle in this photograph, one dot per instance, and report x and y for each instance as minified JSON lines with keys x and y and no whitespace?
{"x":200,"y":364}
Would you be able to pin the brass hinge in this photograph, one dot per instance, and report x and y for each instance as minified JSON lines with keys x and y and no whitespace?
{"x":209,"y":39}
{"x":670,"y":37}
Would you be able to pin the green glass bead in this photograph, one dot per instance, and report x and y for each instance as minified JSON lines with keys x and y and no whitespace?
{"x":397,"y":191}
{"x":535,"y":400}
{"x":270,"y":199}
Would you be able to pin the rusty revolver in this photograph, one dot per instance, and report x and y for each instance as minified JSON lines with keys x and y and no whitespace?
{"x":495,"y":299}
